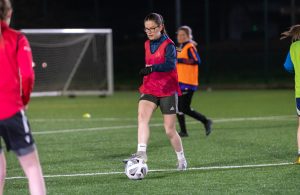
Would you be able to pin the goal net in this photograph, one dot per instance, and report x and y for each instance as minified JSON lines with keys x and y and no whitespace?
{"x":72,"y":61}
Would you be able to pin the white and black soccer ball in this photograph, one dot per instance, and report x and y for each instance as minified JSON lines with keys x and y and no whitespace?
{"x":136,"y":169}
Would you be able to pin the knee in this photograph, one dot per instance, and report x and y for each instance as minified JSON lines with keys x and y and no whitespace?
{"x":2,"y":174}
{"x":2,"y":167}
{"x":170,"y":130}
{"x":141,"y":117}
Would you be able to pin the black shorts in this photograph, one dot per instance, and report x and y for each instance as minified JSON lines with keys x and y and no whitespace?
{"x":167,"y":105}
{"x":16,"y":134}
{"x":298,"y":106}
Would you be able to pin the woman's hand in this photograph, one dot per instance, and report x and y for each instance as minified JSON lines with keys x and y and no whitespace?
{"x":145,"y":71}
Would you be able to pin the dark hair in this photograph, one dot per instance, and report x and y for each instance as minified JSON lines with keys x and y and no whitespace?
{"x":293,"y":32}
{"x":158,"y":19}
{"x":5,"y":7}
{"x":189,"y":33}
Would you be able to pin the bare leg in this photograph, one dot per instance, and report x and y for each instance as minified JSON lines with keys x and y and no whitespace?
{"x":32,"y":168}
{"x":145,"y":110}
{"x":2,"y":171}
{"x":170,"y":128}
{"x":298,"y":135}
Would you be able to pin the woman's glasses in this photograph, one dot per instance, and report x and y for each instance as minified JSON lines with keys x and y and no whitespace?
{"x":150,"y":30}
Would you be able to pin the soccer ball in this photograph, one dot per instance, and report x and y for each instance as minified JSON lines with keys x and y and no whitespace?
{"x":136,"y":169}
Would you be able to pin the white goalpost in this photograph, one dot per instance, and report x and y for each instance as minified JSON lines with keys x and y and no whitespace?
{"x":72,"y":61}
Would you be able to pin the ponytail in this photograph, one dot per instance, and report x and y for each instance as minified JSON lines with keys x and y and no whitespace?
{"x":293,"y":32}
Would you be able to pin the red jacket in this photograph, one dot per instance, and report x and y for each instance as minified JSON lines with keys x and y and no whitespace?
{"x":16,"y":71}
{"x":159,"y":84}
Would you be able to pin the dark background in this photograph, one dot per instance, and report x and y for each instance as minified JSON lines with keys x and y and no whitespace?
{"x":238,"y":40}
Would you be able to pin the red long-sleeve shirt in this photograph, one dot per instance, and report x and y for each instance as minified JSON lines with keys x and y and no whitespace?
{"x":16,"y":71}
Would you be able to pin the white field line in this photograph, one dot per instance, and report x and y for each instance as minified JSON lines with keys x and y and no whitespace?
{"x":159,"y":170}
{"x":222,"y":120}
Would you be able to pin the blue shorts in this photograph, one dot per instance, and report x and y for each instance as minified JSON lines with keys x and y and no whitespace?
{"x":298,"y":106}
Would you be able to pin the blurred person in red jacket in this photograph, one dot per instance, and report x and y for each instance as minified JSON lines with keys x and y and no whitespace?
{"x":16,"y":84}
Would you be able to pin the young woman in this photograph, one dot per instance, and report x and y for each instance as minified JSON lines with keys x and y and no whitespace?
{"x":188,"y":61}
{"x":292,"y":65}
{"x":159,"y":89}
{"x":16,"y":83}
